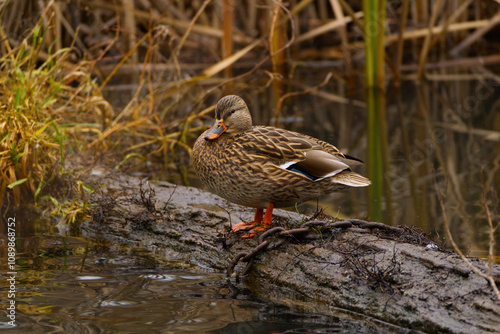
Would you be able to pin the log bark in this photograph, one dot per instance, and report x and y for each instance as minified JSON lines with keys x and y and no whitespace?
{"x":400,"y":279}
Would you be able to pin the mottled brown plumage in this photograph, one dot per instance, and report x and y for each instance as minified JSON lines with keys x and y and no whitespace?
{"x":257,"y":165}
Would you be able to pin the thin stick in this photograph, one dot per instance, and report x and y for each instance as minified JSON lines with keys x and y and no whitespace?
{"x":419,"y":33}
{"x":489,"y":278}
{"x":307,"y":91}
{"x":123,"y":60}
{"x":339,"y":14}
{"x":157,"y":18}
{"x":475,"y":35}
{"x":333,"y":25}
{"x":130,"y":27}
{"x":178,"y":48}
{"x":190,"y":26}
{"x":490,"y":225}
{"x":464,"y":62}
{"x":456,"y":14}
{"x":401,"y":41}
{"x":428,"y":38}
{"x":214,"y":68}
{"x":227,"y":28}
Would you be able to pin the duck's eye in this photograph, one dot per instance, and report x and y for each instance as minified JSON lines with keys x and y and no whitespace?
{"x":233,"y":111}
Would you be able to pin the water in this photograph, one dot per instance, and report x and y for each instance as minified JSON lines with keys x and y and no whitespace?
{"x":74,"y":284}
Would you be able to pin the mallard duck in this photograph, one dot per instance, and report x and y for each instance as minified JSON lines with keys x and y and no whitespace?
{"x":263,"y":166}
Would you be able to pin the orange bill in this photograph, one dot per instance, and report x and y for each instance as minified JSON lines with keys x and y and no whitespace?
{"x":217,"y":130}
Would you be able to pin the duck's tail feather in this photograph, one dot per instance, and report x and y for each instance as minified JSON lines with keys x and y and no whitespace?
{"x":351,"y":179}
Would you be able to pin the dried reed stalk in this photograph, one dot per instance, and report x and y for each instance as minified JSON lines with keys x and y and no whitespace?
{"x":436,"y":9}
{"x":489,"y":274}
{"x":476,"y":35}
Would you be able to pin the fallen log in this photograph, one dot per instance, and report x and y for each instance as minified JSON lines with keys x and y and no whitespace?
{"x":390,"y":274}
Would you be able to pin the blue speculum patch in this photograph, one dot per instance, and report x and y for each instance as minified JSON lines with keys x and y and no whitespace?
{"x":294,"y":168}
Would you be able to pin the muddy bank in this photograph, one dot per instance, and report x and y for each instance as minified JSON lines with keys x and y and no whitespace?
{"x":400,"y":278}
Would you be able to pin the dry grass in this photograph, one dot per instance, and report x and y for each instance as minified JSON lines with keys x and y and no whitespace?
{"x":46,"y":106}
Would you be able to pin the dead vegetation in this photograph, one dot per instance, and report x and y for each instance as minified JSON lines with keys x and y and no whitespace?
{"x":372,"y":268}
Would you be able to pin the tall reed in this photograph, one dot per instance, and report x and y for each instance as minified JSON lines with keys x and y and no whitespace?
{"x":374,"y":34}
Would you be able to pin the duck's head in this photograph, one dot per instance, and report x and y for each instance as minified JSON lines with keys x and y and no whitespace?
{"x":231,"y":117}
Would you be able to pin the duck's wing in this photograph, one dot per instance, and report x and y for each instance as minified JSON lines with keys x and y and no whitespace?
{"x":276,"y":143}
{"x":296,"y":152}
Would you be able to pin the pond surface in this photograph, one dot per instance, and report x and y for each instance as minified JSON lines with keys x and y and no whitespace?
{"x":76,"y":284}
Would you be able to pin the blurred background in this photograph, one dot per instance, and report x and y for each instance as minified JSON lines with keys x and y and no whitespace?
{"x":410,"y":87}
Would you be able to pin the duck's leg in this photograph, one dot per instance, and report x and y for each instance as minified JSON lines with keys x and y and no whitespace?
{"x":268,"y":218}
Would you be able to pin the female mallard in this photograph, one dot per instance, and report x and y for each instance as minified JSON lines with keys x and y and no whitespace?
{"x":263,"y":166}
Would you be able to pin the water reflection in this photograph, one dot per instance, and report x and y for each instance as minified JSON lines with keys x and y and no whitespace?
{"x":71,"y":284}
{"x":377,"y":158}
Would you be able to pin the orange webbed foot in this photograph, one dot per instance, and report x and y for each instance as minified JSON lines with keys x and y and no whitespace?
{"x":251,"y":227}
{"x":243,"y":226}
{"x":254,"y":226}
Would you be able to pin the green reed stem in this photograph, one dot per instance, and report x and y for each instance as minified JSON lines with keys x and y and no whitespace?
{"x":375,"y":163}
{"x":374,"y":41}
